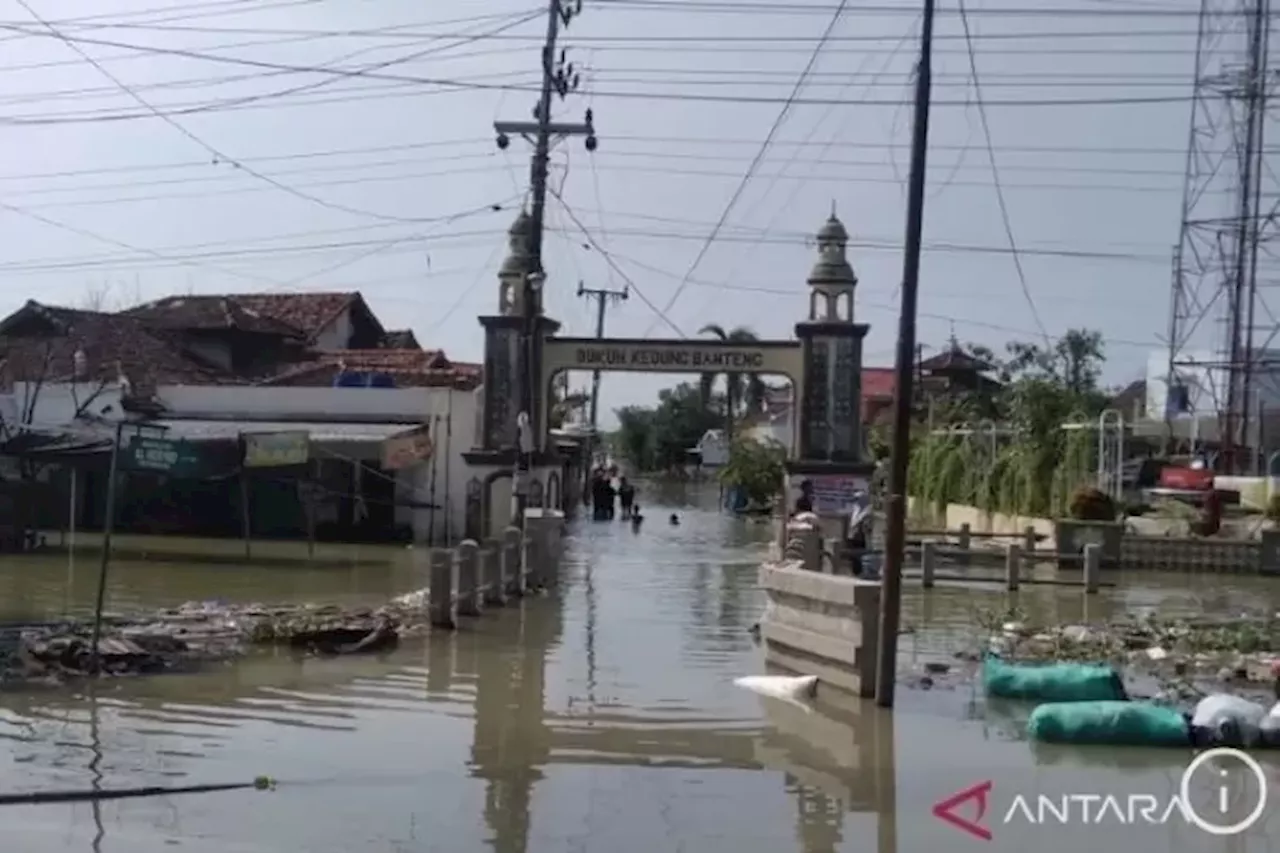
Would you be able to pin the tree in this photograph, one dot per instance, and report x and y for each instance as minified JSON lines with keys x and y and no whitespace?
{"x":659,"y":437}
{"x":757,"y":468}
{"x":745,"y":391}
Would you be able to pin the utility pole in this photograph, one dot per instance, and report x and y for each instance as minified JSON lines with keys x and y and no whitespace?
{"x":602,"y":297}
{"x":559,"y":78}
{"x":896,"y":505}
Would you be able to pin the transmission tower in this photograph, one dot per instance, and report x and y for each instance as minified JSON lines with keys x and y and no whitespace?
{"x":1221,"y":328}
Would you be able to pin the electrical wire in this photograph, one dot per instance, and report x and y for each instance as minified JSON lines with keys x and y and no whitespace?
{"x":862,"y":301}
{"x":729,"y":7}
{"x":995,"y":176}
{"x":757,"y":159}
{"x":216,"y":152}
{"x":608,"y":259}
{"x":620,"y":94}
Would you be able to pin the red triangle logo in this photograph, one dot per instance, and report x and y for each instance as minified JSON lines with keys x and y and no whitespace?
{"x":946,"y":810}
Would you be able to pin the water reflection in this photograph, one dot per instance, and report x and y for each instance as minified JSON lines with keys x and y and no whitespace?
{"x":600,"y":716}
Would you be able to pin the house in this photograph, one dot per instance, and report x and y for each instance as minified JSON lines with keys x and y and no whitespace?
{"x":776,"y":422}
{"x":210,"y":369}
{"x":712,"y":450}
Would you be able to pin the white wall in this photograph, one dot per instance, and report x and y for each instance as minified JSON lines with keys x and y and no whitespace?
{"x":715,"y":449}
{"x":336,"y":335}
{"x":388,"y":405}
{"x":56,"y":404}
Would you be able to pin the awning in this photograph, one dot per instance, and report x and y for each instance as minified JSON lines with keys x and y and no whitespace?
{"x":327,"y":433}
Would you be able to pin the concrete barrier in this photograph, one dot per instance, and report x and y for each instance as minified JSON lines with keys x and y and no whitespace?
{"x":821,"y":624}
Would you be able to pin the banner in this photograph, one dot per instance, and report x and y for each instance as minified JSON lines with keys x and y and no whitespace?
{"x":407,"y":448}
{"x":276,"y":449}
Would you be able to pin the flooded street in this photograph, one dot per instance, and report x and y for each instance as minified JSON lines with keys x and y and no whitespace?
{"x":601,"y":717}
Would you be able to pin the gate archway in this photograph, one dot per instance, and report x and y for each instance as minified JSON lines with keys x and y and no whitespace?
{"x":823,"y":364}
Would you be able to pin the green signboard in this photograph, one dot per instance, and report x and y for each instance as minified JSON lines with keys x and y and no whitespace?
{"x":164,"y":456}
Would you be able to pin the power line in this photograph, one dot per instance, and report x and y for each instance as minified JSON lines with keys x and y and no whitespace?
{"x":614,"y":257}
{"x":608,"y":259}
{"x":216,"y":152}
{"x":759,"y":156}
{"x":624,"y":94}
{"x":728,"y":6}
{"x":614,"y":151}
{"x":995,"y":175}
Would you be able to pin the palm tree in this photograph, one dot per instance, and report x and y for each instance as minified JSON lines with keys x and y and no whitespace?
{"x":743,"y":392}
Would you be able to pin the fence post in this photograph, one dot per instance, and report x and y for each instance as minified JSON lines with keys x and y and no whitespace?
{"x":440,"y":587}
{"x":494,"y":591}
{"x":1092,"y":567}
{"x":512,"y":571}
{"x":468,"y":578}
{"x":1029,"y":539}
{"x":1012,"y":565}
{"x":964,"y":542}
{"x":928,"y":561}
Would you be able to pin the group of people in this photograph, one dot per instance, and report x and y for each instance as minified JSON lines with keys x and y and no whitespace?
{"x":858,"y":530}
{"x":604,"y":494}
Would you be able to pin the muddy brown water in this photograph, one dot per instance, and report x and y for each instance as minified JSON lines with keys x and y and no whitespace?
{"x":602,"y":717}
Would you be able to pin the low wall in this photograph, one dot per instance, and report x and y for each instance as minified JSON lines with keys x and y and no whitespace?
{"x":821,"y":624}
{"x":1255,"y":492}
{"x":980,"y":521}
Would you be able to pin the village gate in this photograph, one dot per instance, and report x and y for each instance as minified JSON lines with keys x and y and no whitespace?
{"x":823,"y":364}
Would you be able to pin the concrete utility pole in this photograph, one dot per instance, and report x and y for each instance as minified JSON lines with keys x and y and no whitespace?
{"x":895,"y":533}
{"x":602,"y":297}
{"x":559,"y":78}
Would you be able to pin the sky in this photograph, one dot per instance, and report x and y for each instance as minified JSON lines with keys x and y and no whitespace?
{"x":210,"y":147}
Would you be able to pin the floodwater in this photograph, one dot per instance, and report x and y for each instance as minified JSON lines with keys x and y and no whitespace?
{"x":601,"y":717}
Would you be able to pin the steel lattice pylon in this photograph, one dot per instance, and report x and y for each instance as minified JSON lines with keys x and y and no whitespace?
{"x":1221,"y":329}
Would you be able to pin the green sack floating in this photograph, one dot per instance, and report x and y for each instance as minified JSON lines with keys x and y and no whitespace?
{"x":1110,"y":723}
{"x":1059,"y":682}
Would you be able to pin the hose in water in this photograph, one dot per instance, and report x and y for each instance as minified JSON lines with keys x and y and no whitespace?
{"x":36,"y":798}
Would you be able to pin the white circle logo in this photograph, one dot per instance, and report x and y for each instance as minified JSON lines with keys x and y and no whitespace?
{"x":1184,"y":791}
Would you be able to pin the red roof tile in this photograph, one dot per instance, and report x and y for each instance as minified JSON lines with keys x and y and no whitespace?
{"x":39,"y":342}
{"x":308,"y":312}
{"x":211,"y":313}
{"x":878,"y":382}
{"x":409,"y":368}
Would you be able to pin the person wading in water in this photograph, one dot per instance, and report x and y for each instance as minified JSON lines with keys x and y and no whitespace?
{"x":626,"y":496}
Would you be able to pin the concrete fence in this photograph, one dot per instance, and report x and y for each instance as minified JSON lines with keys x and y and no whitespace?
{"x":476,"y":576}
{"x":817,"y":622}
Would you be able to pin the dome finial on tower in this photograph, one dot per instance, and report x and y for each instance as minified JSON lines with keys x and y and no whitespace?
{"x":832,"y":280}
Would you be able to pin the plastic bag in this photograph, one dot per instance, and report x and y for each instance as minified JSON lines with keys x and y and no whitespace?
{"x":1061,"y":682}
{"x":1220,"y":719}
{"x":1111,"y":722}
{"x":1270,"y":727}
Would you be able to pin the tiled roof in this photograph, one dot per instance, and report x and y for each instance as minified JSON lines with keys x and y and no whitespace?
{"x":308,"y":312}
{"x":954,"y":358}
{"x":878,"y":382}
{"x":409,"y":368}
{"x":111,"y":343}
{"x":211,"y":312}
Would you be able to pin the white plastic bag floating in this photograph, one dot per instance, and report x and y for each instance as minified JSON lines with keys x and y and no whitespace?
{"x":1229,"y":720}
{"x":789,"y":688}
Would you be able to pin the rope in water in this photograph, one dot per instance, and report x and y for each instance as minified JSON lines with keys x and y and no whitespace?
{"x":36,"y":798}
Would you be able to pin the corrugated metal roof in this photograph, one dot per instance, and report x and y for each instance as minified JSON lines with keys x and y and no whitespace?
{"x":326,"y":432}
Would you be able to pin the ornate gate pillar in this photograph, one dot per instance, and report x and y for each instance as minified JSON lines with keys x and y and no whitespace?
{"x":494,"y":452}
{"x":832,"y":461}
